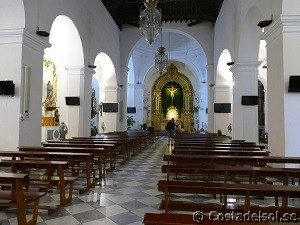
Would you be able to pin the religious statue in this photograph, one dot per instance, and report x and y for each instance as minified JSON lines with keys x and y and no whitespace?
{"x":103,"y":127}
{"x":229,"y":128}
{"x":56,"y":115}
{"x":51,"y":88}
{"x":172,"y":90}
{"x":63,"y":130}
{"x":49,"y":91}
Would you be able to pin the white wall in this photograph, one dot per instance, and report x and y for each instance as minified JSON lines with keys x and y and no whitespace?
{"x":96,"y":29}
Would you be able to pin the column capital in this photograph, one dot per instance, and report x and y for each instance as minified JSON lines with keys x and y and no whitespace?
{"x":210,"y":67}
{"x":25,"y":37}
{"x":124,"y":69}
{"x":109,"y":88}
{"x":35,"y":42}
{"x":245,"y":66}
{"x":222,"y":87}
{"x":76,"y":69}
{"x":283,"y":24}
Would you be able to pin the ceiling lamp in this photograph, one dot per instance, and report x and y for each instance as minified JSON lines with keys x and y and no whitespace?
{"x":161,"y":58}
{"x":150,"y":21}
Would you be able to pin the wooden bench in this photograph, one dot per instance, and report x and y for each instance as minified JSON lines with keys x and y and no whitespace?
{"x":71,"y":157}
{"x":18,"y":198}
{"x":216,"y":147}
{"x":111,"y":152}
{"x":253,"y":174}
{"x":180,"y":219}
{"x":49,"y":168}
{"x":97,"y":160}
{"x":219,"y":152}
{"x":108,"y":152}
{"x":245,"y":190}
{"x":229,"y":160}
{"x":122,"y":144}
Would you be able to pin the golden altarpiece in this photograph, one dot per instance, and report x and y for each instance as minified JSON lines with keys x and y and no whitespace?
{"x":175,"y":84}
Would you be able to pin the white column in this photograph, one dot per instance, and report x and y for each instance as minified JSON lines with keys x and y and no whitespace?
{"x":222,"y":95}
{"x":20,"y":48}
{"x":79,"y":84}
{"x":108,"y":94}
{"x":122,"y":93}
{"x":283,"y":48}
{"x":245,"y":118}
{"x":211,"y":97}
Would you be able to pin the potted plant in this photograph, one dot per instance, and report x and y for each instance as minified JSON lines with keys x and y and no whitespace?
{"x":130,"y":122}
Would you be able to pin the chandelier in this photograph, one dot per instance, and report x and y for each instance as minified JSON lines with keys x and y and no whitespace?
{"x":150,"y":21}
{"x":161,"y":58}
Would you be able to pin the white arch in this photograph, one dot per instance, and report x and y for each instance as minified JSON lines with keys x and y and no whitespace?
{"x":66,"y":42}
{"x":248,"y":44}
{"x":66,"y":52}
{"x":224,"y":75}
{"x":105,"y":70}
{"x":12,"y":14}
{"x":196,"y":66}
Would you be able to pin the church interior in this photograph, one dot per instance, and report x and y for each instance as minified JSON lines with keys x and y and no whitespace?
{"x":88,"y":90}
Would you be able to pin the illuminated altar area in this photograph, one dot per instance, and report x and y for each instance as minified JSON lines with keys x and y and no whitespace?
{"x":172,"y":97}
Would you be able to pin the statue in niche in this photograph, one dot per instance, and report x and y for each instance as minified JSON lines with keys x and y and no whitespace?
{"x":51,"y":88}
{"x":49,"y":93}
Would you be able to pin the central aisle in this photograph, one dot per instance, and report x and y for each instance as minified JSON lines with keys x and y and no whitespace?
{"x":122,"y":198}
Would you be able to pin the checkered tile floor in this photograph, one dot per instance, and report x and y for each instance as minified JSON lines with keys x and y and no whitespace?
{"x":121,"y":198}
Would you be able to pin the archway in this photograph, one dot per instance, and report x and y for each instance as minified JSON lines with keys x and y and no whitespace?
{"x":223,"y":91}
{"x":63,"y":63}
{"x":184,"y":51}
{"x":163,"y":89}
{"x":105,"y":75}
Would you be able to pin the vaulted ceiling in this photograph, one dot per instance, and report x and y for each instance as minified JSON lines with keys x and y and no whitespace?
{"x":190,"y":11}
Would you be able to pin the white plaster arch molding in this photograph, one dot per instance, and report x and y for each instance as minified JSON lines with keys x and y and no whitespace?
{"x":248,"y":44}
{"x":105,"y":71}
{"x":262,"y":70}
{"x":12,"y":14}
{"x":66,"y":52}
{"x":179,"y":46}
{"x":224,"y":75}
{"x":66,"y":42}
{"x":105,"y":74}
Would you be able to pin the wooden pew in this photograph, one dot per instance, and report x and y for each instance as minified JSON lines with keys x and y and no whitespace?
{"x":106,"y":151}
{"x":120,"y":148}
{"x":184,"y":219}
{"x":252,"y":173}
{"x":92,"y":157}
{"x":73,"y":158}
{"x":219,"y":152}
{"x":18,"y":198}
{"x":216,"y":147}
{"x":217,"y":144}
{"x":50,"y":166}
{"x":123,"y":144}
{"x":245,"y":190}
{"x":229,"y":160}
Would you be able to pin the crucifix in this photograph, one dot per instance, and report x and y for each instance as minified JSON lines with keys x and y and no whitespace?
{"x":172,"y":90}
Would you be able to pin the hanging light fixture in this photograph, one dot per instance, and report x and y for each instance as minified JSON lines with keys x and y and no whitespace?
{"x":150,"y":21}
{"x":161,"y":58}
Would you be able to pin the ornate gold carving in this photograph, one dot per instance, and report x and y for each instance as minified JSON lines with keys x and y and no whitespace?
{"x":187,"y":114}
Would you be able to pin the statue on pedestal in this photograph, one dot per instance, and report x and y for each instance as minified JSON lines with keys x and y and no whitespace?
{"x":63,"y":130}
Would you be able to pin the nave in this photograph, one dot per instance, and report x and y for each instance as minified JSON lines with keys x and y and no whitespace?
{"x":123,"y":197}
